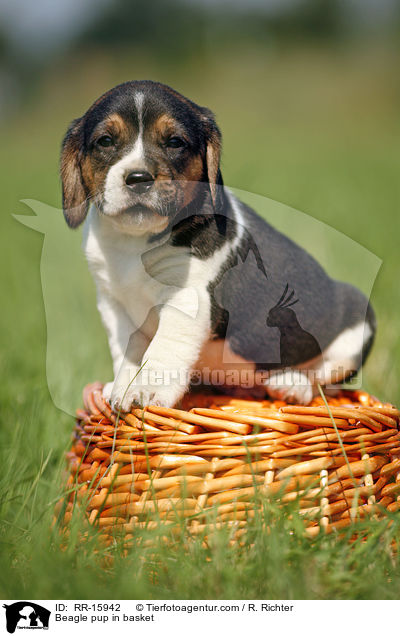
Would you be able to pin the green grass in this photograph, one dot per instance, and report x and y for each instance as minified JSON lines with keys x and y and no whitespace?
{"x":315,"y":129}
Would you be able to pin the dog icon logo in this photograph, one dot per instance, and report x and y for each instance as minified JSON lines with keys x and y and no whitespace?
{"x":26,"y":615}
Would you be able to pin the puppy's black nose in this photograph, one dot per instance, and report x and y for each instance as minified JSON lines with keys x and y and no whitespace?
{"x":139,"y":181}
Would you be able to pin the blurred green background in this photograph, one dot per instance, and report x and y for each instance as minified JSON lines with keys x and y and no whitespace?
{"x":307,"y":94}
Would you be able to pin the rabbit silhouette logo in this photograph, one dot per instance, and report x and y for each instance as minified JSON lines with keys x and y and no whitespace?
{"x":26,"y":615}
{"x":284,"y":318}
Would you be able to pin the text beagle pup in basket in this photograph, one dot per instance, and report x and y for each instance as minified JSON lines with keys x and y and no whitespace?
{"x":189,"y":279}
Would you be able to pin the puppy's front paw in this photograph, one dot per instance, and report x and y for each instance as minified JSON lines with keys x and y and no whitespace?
{"x":291,"y":386}
{"x":118,"y":396}
{"x":107,"y":391}
{"x":124,"y":399}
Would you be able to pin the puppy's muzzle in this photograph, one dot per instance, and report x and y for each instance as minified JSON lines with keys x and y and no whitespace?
{"x":139,"y":182}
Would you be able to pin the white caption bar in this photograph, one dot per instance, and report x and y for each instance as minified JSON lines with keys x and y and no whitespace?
{"x":330,"y":618}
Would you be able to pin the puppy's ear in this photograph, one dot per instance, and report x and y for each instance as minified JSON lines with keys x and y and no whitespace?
{"x":74,"y":194}
{"x":213,"y":157}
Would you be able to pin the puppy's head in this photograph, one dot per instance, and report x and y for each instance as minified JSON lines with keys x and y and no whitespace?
{"x":140,"y":154}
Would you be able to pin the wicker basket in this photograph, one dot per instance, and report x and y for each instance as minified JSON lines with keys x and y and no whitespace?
{"x":225,"y":455}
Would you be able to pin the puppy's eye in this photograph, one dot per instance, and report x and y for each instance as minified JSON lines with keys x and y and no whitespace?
{"x":105,"y":141}
{"x":175,"y":142}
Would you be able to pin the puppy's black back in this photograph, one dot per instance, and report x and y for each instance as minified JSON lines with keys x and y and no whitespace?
{"x":244,"y":296}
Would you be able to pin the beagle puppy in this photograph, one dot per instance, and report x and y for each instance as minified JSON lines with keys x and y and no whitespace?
{"x":192,"y":284}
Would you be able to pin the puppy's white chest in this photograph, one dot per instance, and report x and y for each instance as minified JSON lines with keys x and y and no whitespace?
{"x":137,"y":274}
{"x":130,"y":283}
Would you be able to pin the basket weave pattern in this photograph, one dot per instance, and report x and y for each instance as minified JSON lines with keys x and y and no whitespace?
{"x":220,"y":454}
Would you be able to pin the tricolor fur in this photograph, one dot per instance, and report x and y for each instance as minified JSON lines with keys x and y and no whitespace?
{"x":187,"y":276}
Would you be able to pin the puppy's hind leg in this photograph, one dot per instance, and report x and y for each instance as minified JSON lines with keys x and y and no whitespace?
{"x":340,"y":361}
